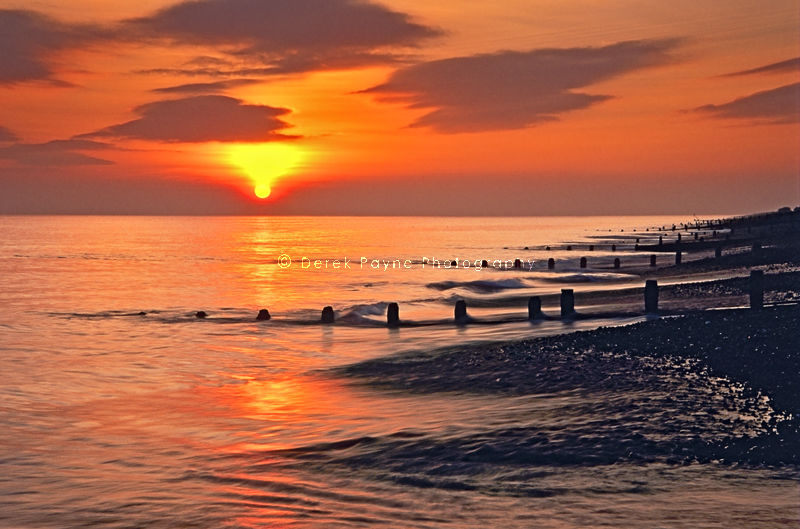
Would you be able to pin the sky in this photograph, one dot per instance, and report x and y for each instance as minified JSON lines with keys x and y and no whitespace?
{"x":399,"y":107}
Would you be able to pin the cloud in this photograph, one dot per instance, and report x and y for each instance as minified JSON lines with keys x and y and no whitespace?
{"x":206,"y":88}
{"x":202,"y":118}
{"x":28,"y":39}
{"x":777,"y":106}
{"x":287,"y":35}
{"x":7,"y":135}
{"x":55,"y":153}
{"x":789,"y":65}
{"x":513,"y":89}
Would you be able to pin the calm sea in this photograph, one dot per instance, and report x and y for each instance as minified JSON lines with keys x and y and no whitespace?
{"x":120,"y":408}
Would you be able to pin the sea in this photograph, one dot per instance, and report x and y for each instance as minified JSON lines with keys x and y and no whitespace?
{"x":121,"y":408}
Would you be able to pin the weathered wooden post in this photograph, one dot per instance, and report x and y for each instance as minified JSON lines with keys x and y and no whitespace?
{"x":695,"y":235}
{"x":616,"y":262}
{"x":393,"y":315}
{"x":534,"y":307}
{"x":756,"y":289}
{"x":569,"y":248}
{"x":200,"y":314}
{"x":660,"y":240}
{"x":653,"y":260}
{"x":484,"y":264}
{"x":583,"y":262}
{"x":567,"y":303}
{"x":461,"y":312}
{"x":679,"y":237}
{"x":613,"y":247}
{"x":651,"y":296}
{"x":551,"y":263}
{"x":591,"y":247}
{"x":678,"y":257}
{"x":327,"y":315}
{"x":263,"y":315}
{"x":517,"y":263}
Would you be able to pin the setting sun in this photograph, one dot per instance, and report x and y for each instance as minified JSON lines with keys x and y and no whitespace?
{"x":264,"y":163}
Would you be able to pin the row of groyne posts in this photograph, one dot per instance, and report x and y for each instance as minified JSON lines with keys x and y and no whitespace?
{"x":756,"y":291}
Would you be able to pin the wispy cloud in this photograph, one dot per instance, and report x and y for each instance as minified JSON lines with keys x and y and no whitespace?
{"x":789,"y":65}
{"x":513,"y":89}
{"x":202,"y":118}
{"x":286,"y":35}
{"x":55,"y":153}
{"x":206,"y":88}
{"x":777,"y":106}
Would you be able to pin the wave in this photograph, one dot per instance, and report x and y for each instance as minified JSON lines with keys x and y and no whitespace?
{"x":481,"y":285}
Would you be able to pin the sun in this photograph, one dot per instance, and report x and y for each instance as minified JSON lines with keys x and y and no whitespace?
{"x":264,"y":163}
{"x":262,"y":190}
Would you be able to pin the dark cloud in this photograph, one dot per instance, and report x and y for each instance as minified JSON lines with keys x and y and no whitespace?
{"x":7,"y":135}
{"x":55,"y":153}
{"x":28,"y":39}
{"x":789,"y":65}
{"x":511,"y":89}
{"x":206,"y":88}
{"x":776,"y":106}
{"x":200,"y":119}
{"x":288,"y":35}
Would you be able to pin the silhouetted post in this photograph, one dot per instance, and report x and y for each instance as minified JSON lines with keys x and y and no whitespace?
{"x":591,"y":247}
{"x":679,"y":237}
{"x":393,"y":315}
{"x":637,"y":239}
{"x":567,"y":303}
{"x":718,"y":251}
{"x":461,"y":311}
{"x":678,"y":257}
{"x":534,"y":307}
{"x":517,"y":263}
{"x":695,"y":235}
{"x":263,"y":315}
{"x":200,"y":314}
{"x":583,"y":262}
{"x":551,"y":263}
{"x":651,"y":296}
{"x":616,"y":262}
{"x":569,"y":248}
{"x":636,"y":246}
{"x":484,"y":264}
{"x":653,"y":260}
{"x":756,"y":289}
{"x":613,"y":247}
{"x":660,"y":240}
{"x":327,"y":315}
{"x":714,"y":233}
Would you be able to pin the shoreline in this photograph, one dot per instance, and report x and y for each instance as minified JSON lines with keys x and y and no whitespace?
{"x":757,"y":348}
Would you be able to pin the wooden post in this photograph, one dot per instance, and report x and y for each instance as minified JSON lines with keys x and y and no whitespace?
{"x":327,"y":315}
{"x":653,"y":260}
{"x":534,"y":307}
{"x":569,"y":248}
{"x":461,"y":312}
{"x":678,"y":257}
{"x":756,"y":289}
{"x":613,"y":247}
{"x":583,"y":262}
{"x":660,"y":240}
{"x":393,"y":315}
{"x":591,"y":247}
{"x":484,"y":264}
{"x":567,"y":303}
{"x":616,"y":262}
{"x":651,"y":296}
{"x":263,"y":315}
{"x":551,"y":263}
{"x":517,"y":263}
{"x":200,"y":314}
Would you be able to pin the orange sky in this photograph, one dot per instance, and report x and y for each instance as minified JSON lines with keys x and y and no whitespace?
{"x":399,"y":107}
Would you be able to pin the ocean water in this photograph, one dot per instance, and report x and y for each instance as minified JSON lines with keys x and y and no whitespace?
{"x":120,"y":408}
